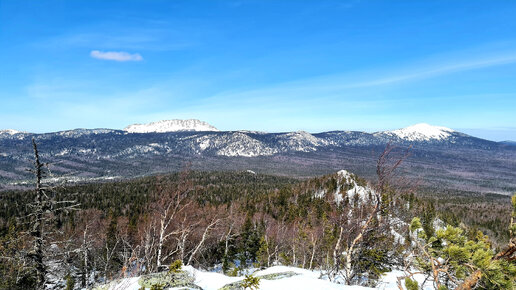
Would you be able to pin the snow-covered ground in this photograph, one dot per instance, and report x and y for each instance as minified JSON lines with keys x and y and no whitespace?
{"x":305,"y":279}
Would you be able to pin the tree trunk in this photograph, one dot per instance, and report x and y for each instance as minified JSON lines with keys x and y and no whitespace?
{"x":336,"y":256}
{"x":85,"y":258}
{"x":294,"y":255}
{"x":37,"y":229}
{"x":347,"y":266}
{"x":160,"y":243}
{"x":268,"y":252}
{"x":312,"y":257}
{"x":471,"y":281}
{"x":204,"y":235}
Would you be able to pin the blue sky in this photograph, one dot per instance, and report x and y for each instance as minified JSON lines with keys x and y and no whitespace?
{"x":260,"y":65}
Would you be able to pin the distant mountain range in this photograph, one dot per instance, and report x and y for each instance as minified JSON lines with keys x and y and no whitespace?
{"x":440,"y":157}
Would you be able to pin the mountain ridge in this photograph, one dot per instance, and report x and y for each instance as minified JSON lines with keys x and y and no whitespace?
{"x":416,"y":132}
{"x":443,"y":158}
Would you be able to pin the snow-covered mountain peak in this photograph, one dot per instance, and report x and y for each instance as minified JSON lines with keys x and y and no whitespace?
{"x":170,"y":126}
{"x":422,"y":132}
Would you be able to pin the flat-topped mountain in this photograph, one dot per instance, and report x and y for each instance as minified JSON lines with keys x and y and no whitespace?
{"x":170,"y":126}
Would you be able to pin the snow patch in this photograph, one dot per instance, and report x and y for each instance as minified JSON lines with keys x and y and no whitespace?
{"x":205,"y":143}
{"x":390,"y":279}
{"x":64,"y":152}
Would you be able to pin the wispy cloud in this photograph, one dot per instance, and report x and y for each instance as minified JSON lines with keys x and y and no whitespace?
{"x":162,"y":38}
{"x":443,"y":69}
{"x":116,"y":55}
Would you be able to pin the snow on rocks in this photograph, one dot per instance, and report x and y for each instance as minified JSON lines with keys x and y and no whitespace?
{"x":347,"y":186}
{"x":210,"y":280}
{"x":355,"y":190}
{"x":305,"y":279}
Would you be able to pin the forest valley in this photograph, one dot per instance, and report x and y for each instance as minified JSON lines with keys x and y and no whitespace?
{"x":352,"y":230}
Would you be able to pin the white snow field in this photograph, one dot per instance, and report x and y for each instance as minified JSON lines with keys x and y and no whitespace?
{"x":305,"y":279}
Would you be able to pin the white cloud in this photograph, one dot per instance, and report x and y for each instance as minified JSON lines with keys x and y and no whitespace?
{"x":116,"y":55}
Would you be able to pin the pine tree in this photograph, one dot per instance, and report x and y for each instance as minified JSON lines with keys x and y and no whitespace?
{"x":454,"y":258}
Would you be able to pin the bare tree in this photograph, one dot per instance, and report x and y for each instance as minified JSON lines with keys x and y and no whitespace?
{"x":211,"y":224}
{"x":172,"y":200}
{"x":110,"y":246}
{"x":230,"y":225}
{"x":87,"y":237}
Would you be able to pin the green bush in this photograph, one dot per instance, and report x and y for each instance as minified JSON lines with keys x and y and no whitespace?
{"x":175,"y":267}
{"x":156,"y":287}
{"x":411,"y":284}
{"x":70,"y":282}
{"x":233,"y":272}
{"x":251,"y":282}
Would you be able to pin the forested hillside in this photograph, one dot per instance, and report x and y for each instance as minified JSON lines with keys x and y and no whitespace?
{"x":350,"y":229}
{"x":441,"y":158}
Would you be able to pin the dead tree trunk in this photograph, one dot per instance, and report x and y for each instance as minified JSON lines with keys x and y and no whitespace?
{"x":44,"y":209}
{"x":37,"y":227}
